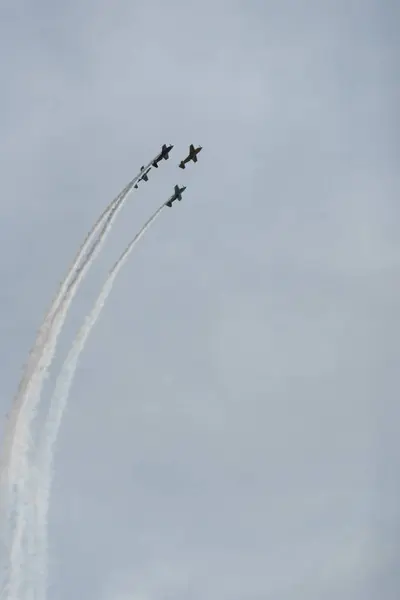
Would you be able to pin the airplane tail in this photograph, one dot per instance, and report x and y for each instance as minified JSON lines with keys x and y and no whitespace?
{"x":168,"y":204}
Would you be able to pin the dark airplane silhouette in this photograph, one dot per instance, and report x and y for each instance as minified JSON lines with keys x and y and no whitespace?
{"x":193,"y":152}
{"x":177,"y":195}
{"x":145,"y":177}
{"x":165,"y":150}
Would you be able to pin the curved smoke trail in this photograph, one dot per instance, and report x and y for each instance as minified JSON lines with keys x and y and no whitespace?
{"x":58,"y":404}
{"x":27,"y":380}
{"x":15,"y":467}
{"x":21,"y":441}
{"x":69,"y":284}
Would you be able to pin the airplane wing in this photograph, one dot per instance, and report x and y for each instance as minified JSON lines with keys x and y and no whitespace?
{"x":191,"y":149}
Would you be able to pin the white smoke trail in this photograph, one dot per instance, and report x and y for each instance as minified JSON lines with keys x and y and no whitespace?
{"x":70,"y":284}
{"x":58,"y":404}
{"x":15,"y":468}
{"x":19,"y":460}
{"x":35,"y":353}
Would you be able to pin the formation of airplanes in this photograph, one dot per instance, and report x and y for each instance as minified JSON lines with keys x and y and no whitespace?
{"x":164,"y":154}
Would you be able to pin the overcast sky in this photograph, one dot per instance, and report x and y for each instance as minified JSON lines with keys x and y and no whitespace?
{"x":232,"y":432}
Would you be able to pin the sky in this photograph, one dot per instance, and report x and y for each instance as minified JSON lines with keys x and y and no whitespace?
{"x":232,"y":431}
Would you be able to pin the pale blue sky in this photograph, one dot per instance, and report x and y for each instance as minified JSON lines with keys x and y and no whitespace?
{"x":232,"y":432}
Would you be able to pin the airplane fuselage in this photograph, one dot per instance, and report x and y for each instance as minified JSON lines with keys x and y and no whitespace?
{"x":164,"y":154}
{"x":176,"y":196}
{"x":192,"y":156}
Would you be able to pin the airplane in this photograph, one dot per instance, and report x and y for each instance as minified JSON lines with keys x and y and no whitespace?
{"x":193,"y":152}
{"x":177,"y":195}
{"x":165,"y":150}
{"x":145,"y":177}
